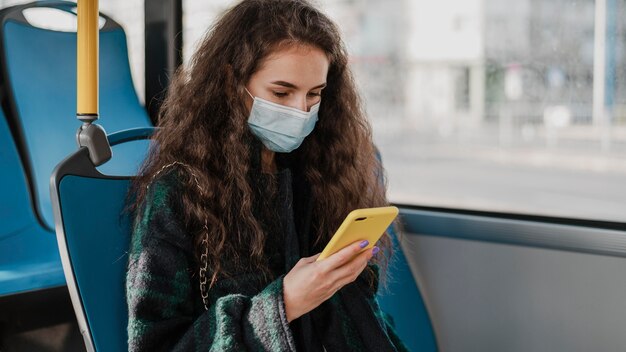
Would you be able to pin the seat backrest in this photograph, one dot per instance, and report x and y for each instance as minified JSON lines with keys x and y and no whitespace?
{"x":402,"y":298}
{"x":403,"y":301}
{"x":29,"y":258}
{"x":39,"y":73}
{"x":93,"y":234}
{"x":15,"y":210}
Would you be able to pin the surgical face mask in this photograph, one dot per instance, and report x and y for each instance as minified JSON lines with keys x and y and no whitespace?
{"x":280,"y":128}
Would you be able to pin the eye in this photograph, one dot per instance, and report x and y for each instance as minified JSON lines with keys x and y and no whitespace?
{"x":314,"y":94}
{"x":279,"y":94}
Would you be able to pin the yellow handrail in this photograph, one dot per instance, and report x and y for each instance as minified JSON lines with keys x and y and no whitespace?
{"x":87,"y":59}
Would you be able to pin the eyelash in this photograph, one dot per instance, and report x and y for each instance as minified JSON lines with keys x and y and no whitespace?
{"x":283,"y":94}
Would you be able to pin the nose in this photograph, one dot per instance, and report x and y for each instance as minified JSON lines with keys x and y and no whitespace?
{"x":300,"y":103}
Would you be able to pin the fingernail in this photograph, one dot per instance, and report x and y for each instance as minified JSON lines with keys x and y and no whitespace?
{"x":364,"y":244}
{"x":375,"y":250}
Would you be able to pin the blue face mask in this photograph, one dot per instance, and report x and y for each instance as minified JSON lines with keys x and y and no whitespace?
{"x":280,"y":128}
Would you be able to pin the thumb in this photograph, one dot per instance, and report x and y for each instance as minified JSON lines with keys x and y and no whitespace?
{"x":312,"y":258}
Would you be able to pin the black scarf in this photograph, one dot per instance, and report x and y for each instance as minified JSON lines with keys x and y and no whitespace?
{"x":320,"y":328}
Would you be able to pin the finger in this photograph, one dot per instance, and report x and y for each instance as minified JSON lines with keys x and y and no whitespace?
{"x":344,"y":255}
{"x":307,"y":260}
{"x":312,"y":258}
{"x":347,"y":272}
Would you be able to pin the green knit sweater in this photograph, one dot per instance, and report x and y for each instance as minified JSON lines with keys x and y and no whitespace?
{"x":246,"y":312}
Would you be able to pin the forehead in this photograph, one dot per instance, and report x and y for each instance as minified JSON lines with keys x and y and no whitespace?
{"x":302,"y":65}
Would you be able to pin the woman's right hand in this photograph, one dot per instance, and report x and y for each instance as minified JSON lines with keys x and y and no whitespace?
{"x":309,"y":283}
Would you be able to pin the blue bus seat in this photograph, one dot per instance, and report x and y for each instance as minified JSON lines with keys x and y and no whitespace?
{"x":39,"y":73}
{"x":95,"y":252}
{"x":29,"y":259}
{"x":93,"y":235}
{"x":403,"y":301}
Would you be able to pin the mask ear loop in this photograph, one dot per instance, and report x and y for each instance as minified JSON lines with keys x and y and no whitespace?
{"x":250,"y":94}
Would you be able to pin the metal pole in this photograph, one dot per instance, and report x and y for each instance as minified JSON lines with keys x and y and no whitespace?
{"x":90,"y":135}
{"x":87,"y":61}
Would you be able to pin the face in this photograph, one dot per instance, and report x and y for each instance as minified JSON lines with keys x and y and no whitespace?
{"x":293,"y":76}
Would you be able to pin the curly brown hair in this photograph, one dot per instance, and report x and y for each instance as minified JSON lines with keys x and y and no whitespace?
{"x":203,"y":124}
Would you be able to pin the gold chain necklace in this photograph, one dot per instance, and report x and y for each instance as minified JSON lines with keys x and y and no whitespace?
{"x":205,"y":239}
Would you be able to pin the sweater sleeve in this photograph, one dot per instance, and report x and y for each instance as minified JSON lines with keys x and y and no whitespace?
{"x":163,"y":301}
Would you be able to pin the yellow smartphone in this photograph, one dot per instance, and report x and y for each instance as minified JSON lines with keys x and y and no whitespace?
{"x":361,"y":224}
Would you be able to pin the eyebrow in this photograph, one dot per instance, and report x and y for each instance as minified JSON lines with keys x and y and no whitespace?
{"x":291,"y":85}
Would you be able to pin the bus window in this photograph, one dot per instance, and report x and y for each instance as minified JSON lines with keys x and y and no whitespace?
{"x":483,"y":105}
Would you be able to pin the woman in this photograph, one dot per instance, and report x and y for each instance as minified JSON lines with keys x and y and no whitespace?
{"x":264,"y":149}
